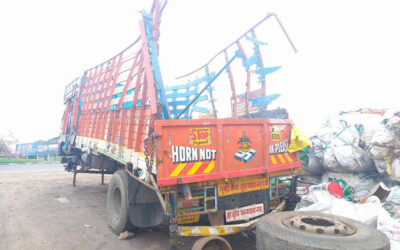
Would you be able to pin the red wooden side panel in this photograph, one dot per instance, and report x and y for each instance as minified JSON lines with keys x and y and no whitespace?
{"x":114,"y":103}
{"x":65,"y":118}
{"x":198,"y":150}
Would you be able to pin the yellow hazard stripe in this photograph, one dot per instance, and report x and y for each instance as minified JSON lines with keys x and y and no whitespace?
{"x":281,"y":158}
{"x":204,"y":231}
{"x":288,"y":157}
{"x":221,"y":230}
{"x":215,"y":230}
{"x":207,"y":231}
{"x":194,"y":169}
{"x":209,"y":168}
{"x":273,"y":159}
{"x":186,"y":231}
{"x":178,"y":169}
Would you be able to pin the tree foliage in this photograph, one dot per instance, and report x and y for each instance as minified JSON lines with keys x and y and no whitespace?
{"x":6,"y":144}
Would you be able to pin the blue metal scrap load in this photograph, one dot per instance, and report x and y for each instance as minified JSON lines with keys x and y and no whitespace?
{"x":196,"y":95}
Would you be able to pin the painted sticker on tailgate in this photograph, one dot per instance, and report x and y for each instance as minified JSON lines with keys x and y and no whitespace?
{"x":244,"y":213}
{"x":242,"y":185}
{"x":245,"y":152}
{"x":278,"y":149}
{"x":189,"y":218}
{"x":200,"y":136}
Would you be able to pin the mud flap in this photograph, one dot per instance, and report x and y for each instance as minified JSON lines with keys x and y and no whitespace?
{"x":145,"y":209}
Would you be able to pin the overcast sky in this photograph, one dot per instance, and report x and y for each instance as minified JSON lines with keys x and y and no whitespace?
{"x":348,"y":52}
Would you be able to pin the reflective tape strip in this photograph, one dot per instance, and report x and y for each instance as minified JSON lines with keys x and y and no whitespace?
{"x":204,"y":231}
{"x":221,"y":230}
{"x":185,"y":231}
{"x":209,"y":168}
{"x":273,"y":159}
{"x":216,"y":230}
{"x":195,"y":167}
{"x":178,"y":169}
{"x":281,"y":158}
{"x":288,"y":157}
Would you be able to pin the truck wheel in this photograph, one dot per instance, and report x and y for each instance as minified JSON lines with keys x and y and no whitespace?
{"x":117,"y":203}
{"x":211,"y":243}
{"x":311,"y":230}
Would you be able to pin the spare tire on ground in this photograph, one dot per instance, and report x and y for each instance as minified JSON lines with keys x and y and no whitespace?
{"x":311,"y":230}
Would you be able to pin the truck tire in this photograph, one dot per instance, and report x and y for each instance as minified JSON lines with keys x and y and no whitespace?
{"x":117,"y":203}
{"x":211,"y":243}
{"x":311,"y":230}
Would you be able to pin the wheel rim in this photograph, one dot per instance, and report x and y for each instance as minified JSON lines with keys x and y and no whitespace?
{"x":319,"y":225}
{"x":211,"y":243}
{"x":117,"y":202}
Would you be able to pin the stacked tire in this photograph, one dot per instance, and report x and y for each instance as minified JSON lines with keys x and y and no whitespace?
{"x":311,"y":230}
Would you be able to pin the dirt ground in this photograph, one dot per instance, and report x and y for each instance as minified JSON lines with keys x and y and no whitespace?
{"x":39,"y":209}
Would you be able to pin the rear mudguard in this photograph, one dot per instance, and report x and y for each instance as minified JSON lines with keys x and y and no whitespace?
{"x":145,"y":209}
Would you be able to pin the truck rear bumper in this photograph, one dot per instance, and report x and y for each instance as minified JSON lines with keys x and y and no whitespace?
{"x":215,"y":230}
{"x":224,"y":229}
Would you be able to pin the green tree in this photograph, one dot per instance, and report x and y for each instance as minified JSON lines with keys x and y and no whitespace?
{"x":6,"y":142}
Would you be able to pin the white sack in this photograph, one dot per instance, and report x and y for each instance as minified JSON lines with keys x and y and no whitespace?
{"x":383,"y":137}
{"x":326,"y":203}
{"x":395,"y":166}
{"x":394,"y":195}
{"x":353,"y":159}
{"x":390,"y":227}
{"x":380,"y":165}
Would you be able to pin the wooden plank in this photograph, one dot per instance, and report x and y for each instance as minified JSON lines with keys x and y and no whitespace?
{"x":232,"y":81}
{"x":134,"y":105}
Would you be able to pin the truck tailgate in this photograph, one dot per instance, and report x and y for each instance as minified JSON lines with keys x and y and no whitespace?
{"x":208,"y":149}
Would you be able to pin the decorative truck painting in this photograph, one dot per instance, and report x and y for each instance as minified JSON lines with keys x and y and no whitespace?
{"x":245,"y":152}
{"x":171,"y":157}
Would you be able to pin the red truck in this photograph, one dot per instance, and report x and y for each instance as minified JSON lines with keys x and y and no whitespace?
{"x":171,"y":158}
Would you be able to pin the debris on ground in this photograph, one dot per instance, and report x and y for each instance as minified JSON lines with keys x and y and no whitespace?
{"x":324,"y":202}
{"x":126,"y":235}
{"x":352,"y":169}
{"x":62,"y":199}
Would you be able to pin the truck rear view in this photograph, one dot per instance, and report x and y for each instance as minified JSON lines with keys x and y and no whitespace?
{"x":171,"y":158}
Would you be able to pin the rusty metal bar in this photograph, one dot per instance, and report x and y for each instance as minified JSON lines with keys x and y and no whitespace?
{"x":240,"y":37}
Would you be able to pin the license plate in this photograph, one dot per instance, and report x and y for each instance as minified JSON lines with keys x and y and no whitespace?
{"x":244,"y":213}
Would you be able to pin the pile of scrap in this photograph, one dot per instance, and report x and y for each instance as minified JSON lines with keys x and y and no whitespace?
{"x":357,"y":143}
{"x":352,"y":169}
